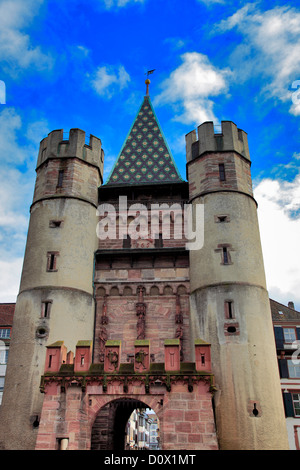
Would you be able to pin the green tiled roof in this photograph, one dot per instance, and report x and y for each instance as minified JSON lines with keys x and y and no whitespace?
{"x":145,"y":157}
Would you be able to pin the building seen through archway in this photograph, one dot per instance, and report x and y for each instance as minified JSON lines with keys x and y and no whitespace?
{"x":125,"y":424}
{"x":142,"y":430}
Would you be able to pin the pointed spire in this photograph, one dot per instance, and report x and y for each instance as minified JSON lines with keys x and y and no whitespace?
{"x":145,"y":157}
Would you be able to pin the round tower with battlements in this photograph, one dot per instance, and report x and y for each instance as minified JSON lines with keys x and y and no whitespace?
{"x":229,"y":300}
{"x":55,"y":300}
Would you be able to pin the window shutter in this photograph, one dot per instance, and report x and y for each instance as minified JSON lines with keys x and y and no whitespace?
{"x":288,"y":404}
{"x":279,"y":338}
{"x":283,"y":368}
{"x":298,"y":333}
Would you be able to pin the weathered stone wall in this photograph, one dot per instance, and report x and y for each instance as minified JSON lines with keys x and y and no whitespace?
{"x":63,"y":227}
{"x":186,"y":418}
{"x":229,"y":269}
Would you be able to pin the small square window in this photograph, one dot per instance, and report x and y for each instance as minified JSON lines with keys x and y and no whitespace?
{"x":294,"y":369}
{"x":222,"y":218}
{"x":289,"y":335}
{"x":55,"y":223}
{"x":4,"y":332}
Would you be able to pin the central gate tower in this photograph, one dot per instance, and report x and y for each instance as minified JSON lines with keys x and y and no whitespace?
{"x":118,"y":309}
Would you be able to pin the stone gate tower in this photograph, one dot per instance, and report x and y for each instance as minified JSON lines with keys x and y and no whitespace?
{"x":118,"y":311}
{"x":229,"y":302}
{"x":56,"y":290}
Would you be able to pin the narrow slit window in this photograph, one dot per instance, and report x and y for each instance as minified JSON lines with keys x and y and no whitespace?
{"x":60,"y":178}
{"x":222,"y":172}
{"x":225,"y":255}
{"x":229,"y":313}
{"x":52,"y":261}
{"x":46,"y":306}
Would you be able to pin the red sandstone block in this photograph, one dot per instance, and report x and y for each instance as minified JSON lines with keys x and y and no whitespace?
{"x":45,"y":446}
{"x":188,"y":396}
{"x":209,"y":439}
{"x":174,"y":415}
{"x":198,"y":428}
{"x":170,"y":438}
{"x":191,"y":416}
{"x":179,"y":388}
{"x":183,"y":427}
{"x":182,"y":438}
{"x":206,"y":415}
{"x":169,"y":427}
{"x":74,"y":427}
{"x":194,"y":405}
{"x":193,"y":438}
{"x":209,"y":428}
{"x":51,"y":405}
{"x":206,"y":404}
{"x":178,"y":404}
{"x":174,"y":396}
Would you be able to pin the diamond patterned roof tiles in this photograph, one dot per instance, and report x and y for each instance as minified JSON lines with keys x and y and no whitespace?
{"x":145,"y":157}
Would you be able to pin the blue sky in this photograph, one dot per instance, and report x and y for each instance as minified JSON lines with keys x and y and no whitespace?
{"x":82,"y":64}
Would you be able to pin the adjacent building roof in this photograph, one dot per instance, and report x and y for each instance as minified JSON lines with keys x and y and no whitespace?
{"x":145,"y":157}
{"x":7,"y":313}
{"x":283,"y":313}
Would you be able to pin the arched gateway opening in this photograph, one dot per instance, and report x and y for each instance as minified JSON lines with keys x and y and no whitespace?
{"x":109,"y":428}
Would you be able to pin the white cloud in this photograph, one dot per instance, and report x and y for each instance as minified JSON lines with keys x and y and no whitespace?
{"x":295,"y":108}
{"x":10,"y":279}
{"x":83,"y":50}
{"x":17,"y":177}
{"x":269,"y":49}
{"x":279,"y":220}
{"x":212,"y":2}
{"x":16,"y":48}
{"x":120,"y":3}
{"x":108,"y":80}
{"x":175,"y":42}
{"x":191,"y":86}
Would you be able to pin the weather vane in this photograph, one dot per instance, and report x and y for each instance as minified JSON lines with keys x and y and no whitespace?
{"x":148,"y":81}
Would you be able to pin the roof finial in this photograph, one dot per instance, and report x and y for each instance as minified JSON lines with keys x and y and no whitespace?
{"x":147,"y":82}
{"x":147,"y":86}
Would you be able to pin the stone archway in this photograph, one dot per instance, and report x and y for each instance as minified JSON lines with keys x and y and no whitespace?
{"x":108,"y":430}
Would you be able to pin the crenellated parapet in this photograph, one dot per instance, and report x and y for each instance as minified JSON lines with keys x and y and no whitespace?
{"x":67,"y":368}
{"x":218,"y":161}
{"x":230,"y":139}
{"x":69,"y":165}
{"x":74,"y":144}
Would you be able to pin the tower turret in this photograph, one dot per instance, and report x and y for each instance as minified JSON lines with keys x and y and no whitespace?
{"x":229,"y":301}
{"x":56,"y":291}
